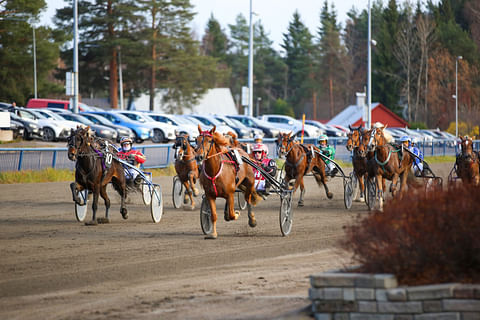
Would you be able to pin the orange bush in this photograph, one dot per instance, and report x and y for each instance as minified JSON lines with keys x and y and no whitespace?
{"x":422,"y":239}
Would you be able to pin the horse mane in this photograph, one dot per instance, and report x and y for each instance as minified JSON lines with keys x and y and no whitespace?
{"x":233,"y":138}
{"x":220,"y":140}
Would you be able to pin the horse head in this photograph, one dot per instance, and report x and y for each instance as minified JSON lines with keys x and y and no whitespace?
{"x":78,"y":140}
{"x":354,"y":138}
{"x":285,"y":143}
{"x":204,"y":142}
{"x":182,"y":146}
{"x":467,"y":147}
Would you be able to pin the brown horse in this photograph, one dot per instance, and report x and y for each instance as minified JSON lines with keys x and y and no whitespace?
{"x":359,"y":158}
{"x":186,"y":168}
{"x":221,"y":175}
{"x":467,"y":162}
{"x":386,"y":163}
{"x":299,"y":161}
{"x":92,"y":172}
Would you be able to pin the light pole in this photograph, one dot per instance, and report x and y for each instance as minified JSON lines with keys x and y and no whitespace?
{"x":258,"y":102}
{"x":75,"y":56}
{"x":369,"y":75}
{"x":34,"y":63}
{"x":456,"y":94}
{"x":250,"y":65}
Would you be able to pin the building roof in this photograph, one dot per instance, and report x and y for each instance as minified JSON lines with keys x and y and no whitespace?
{"x":352,"y":115}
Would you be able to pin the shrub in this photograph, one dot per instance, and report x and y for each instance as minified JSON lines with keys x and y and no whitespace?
{"x":422,"y":238}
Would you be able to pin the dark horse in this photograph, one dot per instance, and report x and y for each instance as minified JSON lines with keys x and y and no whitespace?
{"x":467,"y":162}
{"x":359,"y":157}
{"x":186,"y":167}
{"x":93,"y":172}
{"x":387,"y":163}
{"x":300,"y":160}
{"x":221,"y":176}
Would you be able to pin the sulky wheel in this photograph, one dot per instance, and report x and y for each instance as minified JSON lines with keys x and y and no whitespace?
{"x":147,"y":192}
{"x":177,"y":192}
{"x":81,"y":209}
{"x":348,"y":193}
{"x":286,"y":214}
{"x":206,"y":217}
{"x":242,"y":203}
{"x":156,"y":205}
{"x":371,"y":193}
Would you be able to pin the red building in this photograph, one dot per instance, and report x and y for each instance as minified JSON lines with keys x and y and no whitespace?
{"x":352,"y":115}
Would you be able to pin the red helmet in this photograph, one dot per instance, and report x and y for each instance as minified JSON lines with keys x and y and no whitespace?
{"x":260,"y":147}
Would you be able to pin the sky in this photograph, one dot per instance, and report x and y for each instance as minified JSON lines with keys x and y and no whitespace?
{"x":275,"y":15}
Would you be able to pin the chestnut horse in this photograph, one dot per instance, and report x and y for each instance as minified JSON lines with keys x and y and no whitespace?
{"x":93,"y":173}
{"x":299,"y":161}
{"x":220,"y":176}
{"x":467,"y":162}
{"x":186,"y":167}
{"x":386,"y":163}
{"x":359,"y":157}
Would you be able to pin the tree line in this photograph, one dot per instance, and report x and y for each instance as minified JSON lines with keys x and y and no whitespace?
{"x":418,"y":47}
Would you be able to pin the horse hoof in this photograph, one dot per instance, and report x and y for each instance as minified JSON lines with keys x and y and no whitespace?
{"x":124,"y":213}
{"x":361,"y":200}
{"x":237,"y":214}
{"x":252,"y":223}
{"x":329,"y":195}
{"x":196,"y":192}
{"x":300,"y":204}
{"x":91,"y":223}
{"x":103,"y":220}
{"x":192,"y":207}
{"x":211,"y":237}
{"x":186,"y":200}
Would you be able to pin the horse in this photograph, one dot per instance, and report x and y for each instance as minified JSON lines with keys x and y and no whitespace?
{"x":299,"y":161}
{"x":92,"y":172}
{"x":359,"y":157}
{"x":186,"y":167}
{"x":386,"y":163}
{"x":467,"y":162}
{"x":221,"y":175}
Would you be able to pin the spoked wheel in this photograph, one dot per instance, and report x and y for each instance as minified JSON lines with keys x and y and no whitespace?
{"x":348,"y":192}
{"x":371,"y":193}
{"x":156,"y":205}
{"x":242,"y":203}
{"x":206,"y":217}
{"x":147,"y":192}
{"x":177,"y":191}
{"x":81,"y":209}
{"x":286,"y":214}
{"x":355,"y":188}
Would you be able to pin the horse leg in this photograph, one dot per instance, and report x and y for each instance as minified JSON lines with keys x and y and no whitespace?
{"x":96,"y":194}
{"x":75,"y":187}
{"x":122,"y":189}
{"x":193,"y":180}
{"x":320,"y":177}
{"x":380,"y":186}
{"x":393,"y":187}
{"x":230,"y":213}
{"x":103,"y":194}
{"x":252,"y":222}
{"x":299,"y":182}
{"x":361,"y":183}
{"x":187,"y":195}
{"x":213,"y":208}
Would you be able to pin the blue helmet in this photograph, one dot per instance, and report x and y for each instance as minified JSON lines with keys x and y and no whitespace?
{"x":405,"y":139}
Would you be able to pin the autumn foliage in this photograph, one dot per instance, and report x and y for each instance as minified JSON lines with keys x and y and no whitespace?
{"x":421,"y":238}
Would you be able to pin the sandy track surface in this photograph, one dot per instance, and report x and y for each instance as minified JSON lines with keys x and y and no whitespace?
{"x":53,"y":267}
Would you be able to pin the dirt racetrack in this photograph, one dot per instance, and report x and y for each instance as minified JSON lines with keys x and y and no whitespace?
{"x":53,"y":267}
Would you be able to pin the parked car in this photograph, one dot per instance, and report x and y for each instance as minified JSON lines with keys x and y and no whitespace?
{"x":181,"y":125}
{"x":31,"y":128}
{"x":57,"y":104}
{"x":122,"y":131}
{"x":242,"y":131}
{"x":100,"y":130}
{"x":268,"y":130}
{"x":16,"y":127}
{"x":291,"y":124}
{"x":162,"y":132}
{"x":52,"y":130}
{"x":55,"y":117}
{"x":142,"y":131}
{"x":326,"y":129}
{"x":207,"y":122}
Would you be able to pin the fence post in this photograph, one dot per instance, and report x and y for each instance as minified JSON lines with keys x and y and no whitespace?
{"x":433,"y":150}
{"x":20,"y":159}
{"x":168,"y":156}
{"x":444,"y":148}
{"x":54,"y":160}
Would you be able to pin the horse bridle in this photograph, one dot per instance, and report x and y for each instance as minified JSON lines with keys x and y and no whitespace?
{"x":280,"y":146}
{"x":182,"y":142}
{"x":204,"y":134}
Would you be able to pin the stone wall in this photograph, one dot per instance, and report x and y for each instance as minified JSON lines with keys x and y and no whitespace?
{"x":356,"y":296}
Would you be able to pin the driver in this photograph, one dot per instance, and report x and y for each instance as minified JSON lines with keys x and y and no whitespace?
{"x":260,"y":152}
{"x":417,"y":163}
{"x":329,"y":151}
{"x":133,"y":157}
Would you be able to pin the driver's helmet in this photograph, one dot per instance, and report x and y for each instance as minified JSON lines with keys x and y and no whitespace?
{"x":258,"y":138}
{"x":405,"y":139}
{"x":260,"y":147}
{"x":125,"y":140}
{"x":323,"y":137}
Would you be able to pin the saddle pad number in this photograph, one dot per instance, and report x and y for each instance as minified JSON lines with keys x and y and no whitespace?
{"x":108,"y":159}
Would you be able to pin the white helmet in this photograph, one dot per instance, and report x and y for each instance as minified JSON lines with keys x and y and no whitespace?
{"x":257,"y":137}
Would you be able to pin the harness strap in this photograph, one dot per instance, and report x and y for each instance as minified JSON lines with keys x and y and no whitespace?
{"x":214,"y":178}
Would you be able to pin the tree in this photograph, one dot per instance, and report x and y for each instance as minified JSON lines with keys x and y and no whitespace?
{"x":297,"y":43}
{"x":17,"y":20}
